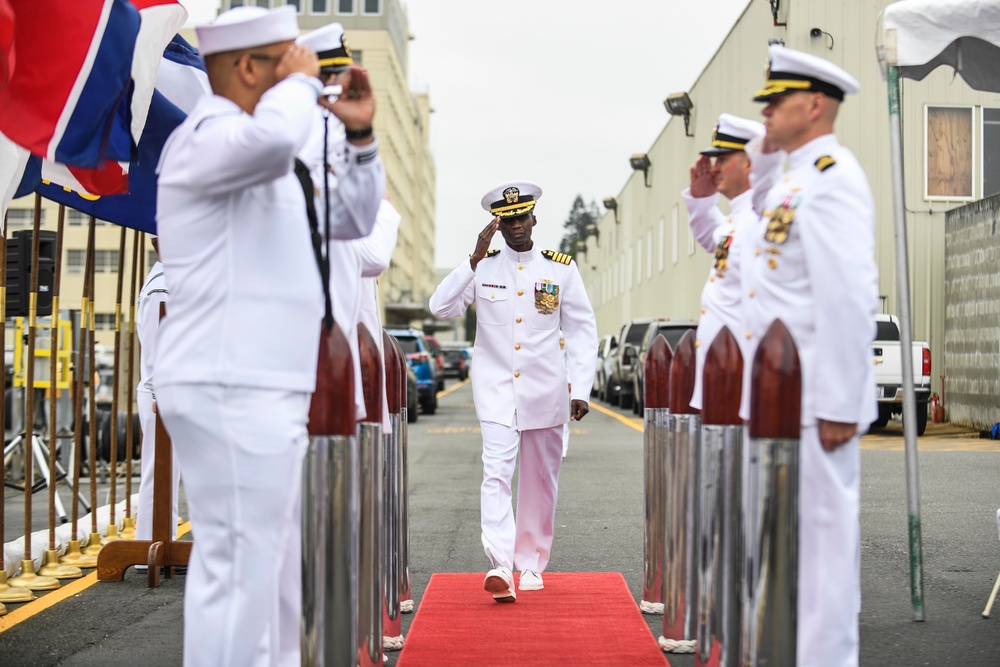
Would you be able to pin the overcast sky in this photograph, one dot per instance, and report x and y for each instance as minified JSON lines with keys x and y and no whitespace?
{"x":559,"y":92}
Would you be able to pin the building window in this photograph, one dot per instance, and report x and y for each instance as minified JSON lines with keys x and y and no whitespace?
{"x":75,"y":260}
{"x":104,"y":321}
{"x":356,"y":56}
{"x":649,"y":253}
{"x":991,"y":151}
{"x":346,"y":6}
{"x":295,"y":3}
{"x":75,"y":218}
{"x":235,"y":3}
{"x":105,"y":261}
{"x":151,"y":259}
{"x":23,"y":217}
{"x":663,"y":241}
{"x":319,"y":7}
{"x":371,"y":7}
{"x":948,"y":137}
{"x":676,"y":236}
{"x":638,"y":262}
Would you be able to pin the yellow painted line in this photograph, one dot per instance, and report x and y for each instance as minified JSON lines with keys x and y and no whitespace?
{"x":454,"y":387}
{"x":634,"y":423}
{"x":29,"y":609}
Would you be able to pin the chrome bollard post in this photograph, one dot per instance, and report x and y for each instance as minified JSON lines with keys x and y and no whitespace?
{"x":392,"y":625}
{"x":330,"y":504}
{"x":680,"y":578}
{"x":405,"y":593}
{"x":770,"y":635}
{"x":371,"y":515}
{"x":654,"y":433}
{"x":720,"y":506}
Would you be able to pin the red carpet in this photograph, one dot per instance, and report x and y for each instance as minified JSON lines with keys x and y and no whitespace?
{"x":580,"y":618}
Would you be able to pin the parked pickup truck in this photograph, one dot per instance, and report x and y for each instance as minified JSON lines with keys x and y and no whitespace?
{"x":889,"y":373}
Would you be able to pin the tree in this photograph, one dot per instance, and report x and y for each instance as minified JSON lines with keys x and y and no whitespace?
{"x":580,"y":225}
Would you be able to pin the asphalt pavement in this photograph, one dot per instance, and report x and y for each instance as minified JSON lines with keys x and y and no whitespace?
{"x":599,"y":527}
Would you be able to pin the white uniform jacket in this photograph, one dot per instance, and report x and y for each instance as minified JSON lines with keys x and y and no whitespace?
{"x":147,"y":324}
{"x":374,"y":252}
{"x":813,"y":266}
{"x":727,"y":236}
{"x":355,"y":186}
{"x":246,"y":298}
{"x":522,"y":301}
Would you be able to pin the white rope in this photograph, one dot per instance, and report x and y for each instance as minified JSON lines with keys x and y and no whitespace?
{"x":392,"y":643}
{"x":651,"y":607}
{"x":676,"y":645}
{"x":406,"y":606}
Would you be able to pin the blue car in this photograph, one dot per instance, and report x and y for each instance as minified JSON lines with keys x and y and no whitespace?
{"x":418,"y":356}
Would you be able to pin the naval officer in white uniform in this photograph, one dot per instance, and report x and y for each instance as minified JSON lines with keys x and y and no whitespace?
{"x":147,"y":325}
{"x":236,"y":361}
{"x":325,"y":156}
{"x":813,"y":266}
{"x":523,"y":297}
{"x":723,"y":168}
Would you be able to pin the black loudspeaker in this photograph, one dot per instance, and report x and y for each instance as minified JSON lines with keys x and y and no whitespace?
{"x":19,"y":272}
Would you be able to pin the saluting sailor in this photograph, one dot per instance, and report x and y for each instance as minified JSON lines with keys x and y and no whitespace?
{"x":813,"y":266}
{"x":523,"y":297}
{"x":236,"y":360}
{"x":723,"y":168}
{"x":334,"y":154}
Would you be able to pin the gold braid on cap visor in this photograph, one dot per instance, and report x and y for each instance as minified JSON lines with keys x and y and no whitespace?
{"x":336,"y":62}
{"x":513,"y":209}
{"x":777,"y":86}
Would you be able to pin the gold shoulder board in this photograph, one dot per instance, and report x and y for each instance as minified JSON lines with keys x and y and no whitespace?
{"x":825,"y":163}
{"x":491,"y":253}
{"x":560,"y":257}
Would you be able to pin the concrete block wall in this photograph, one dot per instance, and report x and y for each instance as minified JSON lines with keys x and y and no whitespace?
{"x":972,"y":314}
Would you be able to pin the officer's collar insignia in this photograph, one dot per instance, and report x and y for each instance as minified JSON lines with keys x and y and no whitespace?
{"x":511,"y":194}
{"x":825,"y":162}
{"x":560,"y":257}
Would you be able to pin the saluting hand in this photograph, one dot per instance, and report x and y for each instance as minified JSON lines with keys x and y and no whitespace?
{"x":702,"y":180}
{"x":297,"y":59}
{"x":356,"y":105}
{"x":483,"y":242}
{"x":578,"y":409}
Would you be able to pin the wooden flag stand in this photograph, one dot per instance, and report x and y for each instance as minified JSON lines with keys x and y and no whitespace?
{"x":163,"y":550}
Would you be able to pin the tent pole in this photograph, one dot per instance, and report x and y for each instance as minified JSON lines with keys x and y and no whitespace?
{"x":906,"y":349}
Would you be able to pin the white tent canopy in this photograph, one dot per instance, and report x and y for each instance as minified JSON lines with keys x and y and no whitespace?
{"x":917,"y":36}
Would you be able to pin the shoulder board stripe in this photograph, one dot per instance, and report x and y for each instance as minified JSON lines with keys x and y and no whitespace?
{"x":491,"y":253}
{"x":560,"y":257}
{"x":825,"y":163}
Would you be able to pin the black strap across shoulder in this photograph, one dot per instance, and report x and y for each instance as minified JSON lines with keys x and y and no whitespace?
{"x":322,"y":259}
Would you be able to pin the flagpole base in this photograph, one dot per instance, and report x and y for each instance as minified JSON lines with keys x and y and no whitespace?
{"x":128,"y":530}
{"x":52,"y":567}
{"x":8,"y":594}
{"x":74,"y":556}
{"x":28,"y":579}
{"x":112,"y":534}
{"x":93,"y":546}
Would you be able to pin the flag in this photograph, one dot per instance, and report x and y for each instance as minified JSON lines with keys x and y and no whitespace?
{"x":161,"y":19}
{"x":6,"y":43}
{"x":74,"y":68}
{"x":181,"y":82}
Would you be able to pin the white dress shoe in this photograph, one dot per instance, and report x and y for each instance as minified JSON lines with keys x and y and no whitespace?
{"x":530,"y":581}
{"x":500,"y":582}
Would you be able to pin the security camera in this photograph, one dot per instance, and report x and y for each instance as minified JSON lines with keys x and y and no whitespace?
{"x":815,"y":32}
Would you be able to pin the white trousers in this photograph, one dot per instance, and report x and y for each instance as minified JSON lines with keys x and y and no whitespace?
{"x":240,"y":451}
{"x":524,"y":540}
{"x":144,"y":513}
{"x":829,"y":543}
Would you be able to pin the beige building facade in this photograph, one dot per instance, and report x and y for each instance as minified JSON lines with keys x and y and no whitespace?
{"x":648,"y":264}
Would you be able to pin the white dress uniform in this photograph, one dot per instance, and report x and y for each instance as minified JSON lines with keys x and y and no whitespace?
{"x":147,"y":325}
{"x":726,"y":237}
{"x":519,"y":387}
{"x":236,"y":360}
{"x":813,"y":266}
{"x":374,"y":252}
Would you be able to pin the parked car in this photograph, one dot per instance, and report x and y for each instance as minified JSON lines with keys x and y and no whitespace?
{"x":418,"y":357}
{"x":622,"y":361}
{"x":438,"y":354}
{"x":604,"y":347}
{"x":889,"y":373}
{"x":412,"y":401}
{"x":456,"y":362}
{"x":605,"y":369}
{"x":673,"y":332}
